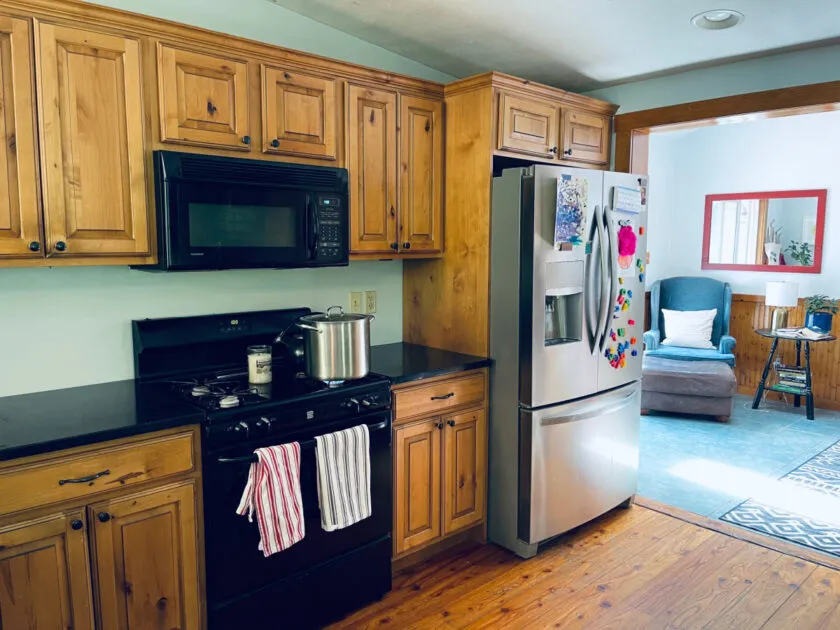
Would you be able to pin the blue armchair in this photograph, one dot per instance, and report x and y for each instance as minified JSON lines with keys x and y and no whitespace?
{"x":691,"y":294}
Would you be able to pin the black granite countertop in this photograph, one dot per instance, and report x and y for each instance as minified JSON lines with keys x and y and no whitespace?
{"x":63,"y":418}
{"x":404,"y":362}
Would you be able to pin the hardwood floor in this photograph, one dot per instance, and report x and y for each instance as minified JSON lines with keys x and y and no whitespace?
{"x":631,"y":569}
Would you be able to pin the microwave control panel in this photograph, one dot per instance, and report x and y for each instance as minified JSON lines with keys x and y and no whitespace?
{"x":333,"y":227}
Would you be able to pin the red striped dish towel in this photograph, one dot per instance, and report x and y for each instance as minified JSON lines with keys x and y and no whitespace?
{"x":273,"y":494}
{"x":343,"y":461}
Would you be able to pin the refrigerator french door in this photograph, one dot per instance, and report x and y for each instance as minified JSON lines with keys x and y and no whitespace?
{"x":566,"y":335}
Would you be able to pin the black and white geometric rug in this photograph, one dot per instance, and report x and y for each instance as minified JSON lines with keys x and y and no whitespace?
{"x":820,"y":474}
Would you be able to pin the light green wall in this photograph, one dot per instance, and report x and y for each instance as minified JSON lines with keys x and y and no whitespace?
{"x":802,"y":67}
{"x":264,"y":21}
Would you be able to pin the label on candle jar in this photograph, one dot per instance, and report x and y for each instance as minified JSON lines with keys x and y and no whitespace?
{"x":259,"y":367}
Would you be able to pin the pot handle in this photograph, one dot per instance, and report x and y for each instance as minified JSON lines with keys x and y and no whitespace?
{"x":309,"y":327}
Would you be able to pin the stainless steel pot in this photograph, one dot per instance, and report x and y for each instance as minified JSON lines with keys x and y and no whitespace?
{"x":336,"y":344}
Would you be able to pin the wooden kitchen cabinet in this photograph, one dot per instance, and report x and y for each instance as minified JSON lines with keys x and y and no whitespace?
{"x":203,"y":99}
{"x":440,"y":460}
{"x":464,"y":471}
{"x":146,"y":559}
{"x":421,"y":175}
{"x":527,"y":125}
{"x":44,"y":575}
{"x":93,"y":165}
{"x":372,"y":166}
{"x":20,"y":214}
{"x":119,"y":545}
{"x":586,"y":137}
{"x":417,"y":475}
{"x":300,"y":113}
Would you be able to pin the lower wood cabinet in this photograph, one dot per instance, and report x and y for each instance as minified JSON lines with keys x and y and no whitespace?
{"x":440,"y":465}
{"x":119,"y":559}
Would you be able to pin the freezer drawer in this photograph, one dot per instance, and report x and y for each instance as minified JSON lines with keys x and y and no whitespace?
{"x":578,"y":461}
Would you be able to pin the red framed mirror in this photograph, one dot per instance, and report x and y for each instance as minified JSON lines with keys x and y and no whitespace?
{"x":776,"y":231}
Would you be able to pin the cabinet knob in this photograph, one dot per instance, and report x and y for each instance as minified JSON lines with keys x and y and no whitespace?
{"x":246,"y":139}
{"x":76,"y":524}
{"x":60,"y":246}
{"x":287,"y":76}
{"x":211,"y":109}
{"x":34,"y":246}
{"x":567,"y":152}
{"x":451,"y":423}
{"x":553,"y":150}
{"x":275,"y":143}
{"x":103,"y":517}
{"x":406,"y":245}
{"x":395,"y":246}
{"x":438,"y":425}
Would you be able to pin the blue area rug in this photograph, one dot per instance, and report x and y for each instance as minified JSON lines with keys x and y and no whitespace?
{"x":821,"y":474}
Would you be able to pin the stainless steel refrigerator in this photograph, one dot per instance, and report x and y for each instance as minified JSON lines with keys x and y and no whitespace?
{"x":568,"y":256}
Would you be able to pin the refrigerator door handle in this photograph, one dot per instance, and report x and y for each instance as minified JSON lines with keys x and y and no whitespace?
{"x":605,"y":311}
{"x":603,"y":410}
{"x":592,"y":319}
{"x":612,"y":264}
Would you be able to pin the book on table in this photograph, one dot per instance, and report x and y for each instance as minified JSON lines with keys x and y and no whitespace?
{"x":802,"y":333}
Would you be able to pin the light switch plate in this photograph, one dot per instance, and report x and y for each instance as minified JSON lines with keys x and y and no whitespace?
{"x":356,"y":302}
{"x":370,"y":301}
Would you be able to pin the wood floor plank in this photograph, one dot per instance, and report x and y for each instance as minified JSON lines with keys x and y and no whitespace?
{"x":810,"y":607}
{"x":635,"y":569}
{"x":763,"y":597}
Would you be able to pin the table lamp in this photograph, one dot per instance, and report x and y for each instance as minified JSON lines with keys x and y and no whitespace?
{"x":781,"y":296}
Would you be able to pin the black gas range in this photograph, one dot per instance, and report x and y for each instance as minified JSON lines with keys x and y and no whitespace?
{"x":203,"y":360}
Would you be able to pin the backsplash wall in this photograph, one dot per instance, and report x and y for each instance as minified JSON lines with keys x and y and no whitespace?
{"x":65,"y":327}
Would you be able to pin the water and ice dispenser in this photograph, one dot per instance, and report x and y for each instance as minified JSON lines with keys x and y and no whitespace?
{"x":563,"y":302}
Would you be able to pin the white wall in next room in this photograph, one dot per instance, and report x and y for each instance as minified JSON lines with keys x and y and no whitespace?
{"x":792,"y":153}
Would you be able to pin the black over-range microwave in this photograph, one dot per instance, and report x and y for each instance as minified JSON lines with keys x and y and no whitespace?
{"x":234,"y":213}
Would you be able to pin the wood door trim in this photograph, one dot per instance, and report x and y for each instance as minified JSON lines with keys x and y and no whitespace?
{"x":631,"y":129}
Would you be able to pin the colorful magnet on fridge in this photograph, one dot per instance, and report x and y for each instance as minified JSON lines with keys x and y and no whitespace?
{"x":641,"y":230}
{"x":620,"y":299}
{"x":633,"y":340}
{"x":638,"y":262}
{"x":622,"y":291}
{"x":621,"y":281}
{"x":629,"y":294}
{"x":631,"y":322}
{"x":641,"y":277}
{"x":620,"y":332}
{"x":635,"y":353}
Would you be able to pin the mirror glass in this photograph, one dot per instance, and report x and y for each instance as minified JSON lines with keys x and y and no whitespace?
{"x":777,"y":231}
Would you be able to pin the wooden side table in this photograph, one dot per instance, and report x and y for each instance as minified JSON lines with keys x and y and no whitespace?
{"x":805,"y":392}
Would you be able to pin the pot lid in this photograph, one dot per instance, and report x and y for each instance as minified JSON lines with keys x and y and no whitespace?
{"x":334,"y":314}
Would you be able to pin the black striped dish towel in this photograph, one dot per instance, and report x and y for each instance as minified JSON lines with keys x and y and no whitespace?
{"x":343,"y":461}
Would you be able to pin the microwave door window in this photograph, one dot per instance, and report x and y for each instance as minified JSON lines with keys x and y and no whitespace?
{"x":220,"y":225}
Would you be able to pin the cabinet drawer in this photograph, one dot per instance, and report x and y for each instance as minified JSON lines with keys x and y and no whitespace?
{"x":78,"y":476}
{"x":437,"y":397}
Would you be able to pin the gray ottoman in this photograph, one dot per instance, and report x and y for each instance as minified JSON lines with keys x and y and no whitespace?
{"x":696,"y":387}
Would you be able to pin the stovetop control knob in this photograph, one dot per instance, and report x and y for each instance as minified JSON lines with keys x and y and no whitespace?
{"x":264,"y":423}
{"x":368,"y":401}
{"x":241,"y":429}
{"x":352,"y":403}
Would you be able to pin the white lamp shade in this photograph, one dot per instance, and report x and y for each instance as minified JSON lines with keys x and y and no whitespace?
{"x":782,"y":294}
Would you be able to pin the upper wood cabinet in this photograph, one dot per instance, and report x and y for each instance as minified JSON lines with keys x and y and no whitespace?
{"x":91,"y":118}
{"x":44,"y":575}
{"x":464,"y":474}
{"x":417,"y":482}
{"x":20,"y":214}
{"x":421,"y":175}
{"x":147,"y":560}
{"x":527,"y":125}
{"x":203,"y":99}
{"x":372,"y":166}
{"x":586,"y":137}
{"x":300,"y":113}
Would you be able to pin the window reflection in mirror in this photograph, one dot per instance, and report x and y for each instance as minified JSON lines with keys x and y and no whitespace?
{"x":773,"y":231}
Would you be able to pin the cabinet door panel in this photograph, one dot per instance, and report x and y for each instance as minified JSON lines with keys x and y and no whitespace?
{"x":528,"y":126}
{"x":299,"y":114}
{"x":44,"y":577}
{"x":586,"y":137}
{"x":20,"y":216}
{"x":203,"y":99}
{"x":92,"y":143}
{"x":372,"y":166}
{"x":421,"y":184}
{"x":147,"y":560}
{"x":464,"y":481}
{"x":417,"y":484}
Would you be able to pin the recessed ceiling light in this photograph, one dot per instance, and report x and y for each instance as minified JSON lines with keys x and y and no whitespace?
{"x":718,"y":19}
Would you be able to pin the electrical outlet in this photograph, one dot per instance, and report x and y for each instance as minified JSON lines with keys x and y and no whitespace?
{"x":370,"y":301}
{"x":356,"y":302}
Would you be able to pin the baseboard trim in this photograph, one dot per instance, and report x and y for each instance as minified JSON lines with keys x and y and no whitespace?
{"x":747,"y":535}
{"x":472,"y":537}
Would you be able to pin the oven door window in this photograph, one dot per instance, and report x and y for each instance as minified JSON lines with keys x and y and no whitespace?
{"x":221,"y":226}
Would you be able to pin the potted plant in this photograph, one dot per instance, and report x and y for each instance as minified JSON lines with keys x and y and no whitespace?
{"x":819,"y":312}
{"x":801,"y":253}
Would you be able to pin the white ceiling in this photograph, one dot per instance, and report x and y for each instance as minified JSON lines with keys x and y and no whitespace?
{"x":574,"y":44}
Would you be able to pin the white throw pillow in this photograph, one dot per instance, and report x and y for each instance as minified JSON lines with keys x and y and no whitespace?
{"x":689,"y":329}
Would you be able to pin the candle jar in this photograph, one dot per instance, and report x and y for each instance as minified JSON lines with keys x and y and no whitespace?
{"x":259,"y":364}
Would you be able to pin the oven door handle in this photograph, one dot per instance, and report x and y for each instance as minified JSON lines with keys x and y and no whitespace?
{"x":313,"y":228}
{"x":253,"y":458}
